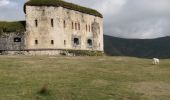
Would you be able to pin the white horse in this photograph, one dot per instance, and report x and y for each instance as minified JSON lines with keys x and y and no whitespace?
{"x":155,"y":61}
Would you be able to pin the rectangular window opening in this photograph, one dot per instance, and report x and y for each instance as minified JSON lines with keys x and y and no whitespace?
{"x":64,"y":24}
{"x":36,"y":42}
{"x":52,"y":41}
{"x":89,"y":28}
{"x":52,"y":23}
{"x":79,"y":26}
{"x":36,"y":23}
{"x":86,"y":28}
{"x":75,"y":26}
{"x":64,"y":42}
{"x":17,"y":39}
{"x":72,"y":25}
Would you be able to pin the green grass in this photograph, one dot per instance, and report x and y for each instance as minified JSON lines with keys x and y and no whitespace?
{"x":12,"y":26}
{"x":83,"y":78}
{"x":64,"y":4}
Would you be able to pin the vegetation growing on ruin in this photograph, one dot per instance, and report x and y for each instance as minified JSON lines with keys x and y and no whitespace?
{"x":64,"y":4}
{"x":83,"y":53}
{"x":12,"y":26}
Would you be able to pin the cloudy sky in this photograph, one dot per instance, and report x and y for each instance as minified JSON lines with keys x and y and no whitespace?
{"x":122,"y":18}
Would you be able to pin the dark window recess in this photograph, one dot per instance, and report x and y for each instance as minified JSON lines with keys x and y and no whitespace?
{"x":52,"y":23}
{"x":89,"y":28}
{"x":64,"y":24}
{"x":1,"y":51}
{"x":64,"y":42}
{"x":36,"y":22}
{"x":17,"y":39}
{"x":75,"y":26}
{"x":89,"y":42}
{"x":72,"y":25}
{"x":52,"y":41}
{"x":86,"y":28}
{"x":79,"y":26}
{"x":36,"y":41}
{"x":76,"y":41}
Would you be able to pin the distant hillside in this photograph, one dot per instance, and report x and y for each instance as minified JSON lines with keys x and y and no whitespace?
{"x":145,"y":48}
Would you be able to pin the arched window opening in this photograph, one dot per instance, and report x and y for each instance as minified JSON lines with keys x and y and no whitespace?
{"x":89,"y":42}
{"x":76,"y":41}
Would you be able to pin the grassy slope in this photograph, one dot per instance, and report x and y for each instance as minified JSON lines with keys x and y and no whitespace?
{"x":83,"y":78}
{"x":12,"y":26}
{"x":145,"y":48}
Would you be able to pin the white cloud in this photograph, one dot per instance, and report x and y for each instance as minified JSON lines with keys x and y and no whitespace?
{"x":104,"y":6}
{"x":8,"y":3}
{"x":11,"y":10}
{"x":4,"y":2}
{"x":122,"y":18}
{"x":110,"y":6}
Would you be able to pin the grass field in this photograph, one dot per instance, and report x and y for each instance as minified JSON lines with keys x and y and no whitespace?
{"x":83,"y":78}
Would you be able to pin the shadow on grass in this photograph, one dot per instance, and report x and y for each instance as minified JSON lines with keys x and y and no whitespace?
{"x":44,"y":91}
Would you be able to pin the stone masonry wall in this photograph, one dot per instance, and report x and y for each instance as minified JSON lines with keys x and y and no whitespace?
{"x":63,"y":31}
{"x":11,"y":41}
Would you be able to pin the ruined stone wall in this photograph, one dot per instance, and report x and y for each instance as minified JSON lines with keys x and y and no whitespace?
{"x":62,"y":33}
{"x":11,"y":41}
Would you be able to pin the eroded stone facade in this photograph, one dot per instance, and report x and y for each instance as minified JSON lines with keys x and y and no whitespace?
{"x":60,"y":28}
{"x":49,"y":30}
{"x":11,"y":41}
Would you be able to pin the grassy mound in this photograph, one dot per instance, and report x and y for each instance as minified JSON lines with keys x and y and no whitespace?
{"x":64,"y":4}
{"x":12,"y":26}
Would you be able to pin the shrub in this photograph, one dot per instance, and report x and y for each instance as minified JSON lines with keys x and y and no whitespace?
{"x":85,"y":52}
{"x":44,"y":90}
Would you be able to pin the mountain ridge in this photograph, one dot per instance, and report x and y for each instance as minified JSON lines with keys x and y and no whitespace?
{"x":144,"y":48}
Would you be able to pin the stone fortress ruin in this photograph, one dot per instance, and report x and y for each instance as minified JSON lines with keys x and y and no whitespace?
{"x":52,"y":27}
